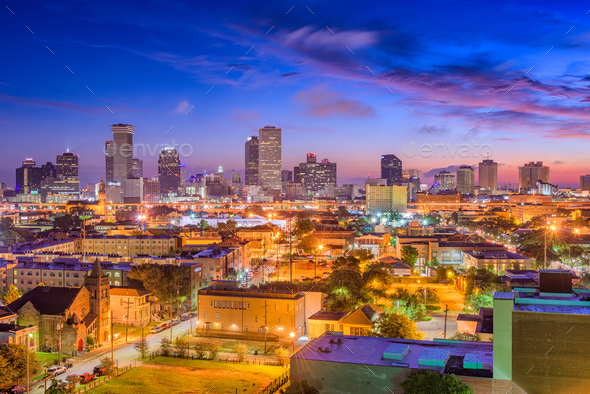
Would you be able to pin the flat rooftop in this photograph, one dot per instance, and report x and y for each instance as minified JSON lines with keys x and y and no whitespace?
{"x":494,"y":255}
{"x":369,"y":351}
{"x":577,"y":302}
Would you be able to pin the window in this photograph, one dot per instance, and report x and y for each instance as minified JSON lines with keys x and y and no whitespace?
{"x":204,"y":315}
{"x":248,"y":305}
{"x":117,"y":275}
{"x":60,"y":274}
{"x":217,"y":316}
{"x":232,"y":305}
{"x":67,"y":274}
{"x":245,"y":329}
{"x":44,"y":273}
{"x":255,"y":319}
{"x":215,"y":303}
{"x":211,"y":303}
{"x":291,"y":320}
{"x":279,"y":320}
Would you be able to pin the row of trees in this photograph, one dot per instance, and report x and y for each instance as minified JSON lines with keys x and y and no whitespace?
{"x":13,"y":363}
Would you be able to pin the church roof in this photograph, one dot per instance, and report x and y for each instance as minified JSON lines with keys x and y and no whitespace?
{"x":47,"y":300}
{"x":96,"y":270}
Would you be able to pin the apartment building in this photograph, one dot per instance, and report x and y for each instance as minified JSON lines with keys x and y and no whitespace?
{"x":50,"y":245}
{"x":251,"y":310}
{"x":497,"y":260}
{"x":61,"y":272}
{"x":130,"y":306}
{"x":132,"y":245}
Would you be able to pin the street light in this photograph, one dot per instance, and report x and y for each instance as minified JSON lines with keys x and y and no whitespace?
{"x":545,"y":248}
{"x":292,"y":335}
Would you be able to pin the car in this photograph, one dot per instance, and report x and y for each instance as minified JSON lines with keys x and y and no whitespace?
{"x":100,"y":370}
{"x":165,"y":325}
{"x":326,"y":274}
{"x":18,"y":389}
{"x":194,"y":314}
{"x":156,"y":329}
{"x":304,"y":278}
{"x":86,"y":377}
{"x":175,"y":322}
{"x":56,"y":370}
{"x":184,"y":318}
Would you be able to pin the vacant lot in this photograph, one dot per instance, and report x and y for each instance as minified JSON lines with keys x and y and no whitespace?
{"x":173,"y":375}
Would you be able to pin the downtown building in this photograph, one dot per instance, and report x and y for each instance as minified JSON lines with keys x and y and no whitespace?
{"x":251,"y":165}
{"x":169,"y":172}
{"x":119,"y":164}
{"x":488,"y":175}
{"x":315,"y":176}
{"x":530,"y":174}
{"x":29,"y":176}
{"x":269,"y":157}
{"x":444,"y":181}
{"x":65,"y":184}
{"x":386,"y":199}
{"x":391,"y":169}
{"x":465,"y":180}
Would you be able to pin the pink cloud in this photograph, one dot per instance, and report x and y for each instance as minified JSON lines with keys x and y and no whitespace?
{"x":319,"y":103}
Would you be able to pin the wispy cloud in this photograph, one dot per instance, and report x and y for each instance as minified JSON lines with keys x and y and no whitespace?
{"x":319,"y":102}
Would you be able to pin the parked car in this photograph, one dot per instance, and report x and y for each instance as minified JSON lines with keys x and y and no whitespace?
{"x":56,"y":370}
{"x":326,"y":274}
{"x":87,"y":377}
{"x":156,"y":329}
{"x":303,"y":278}
{"x":165,"y":325}
{"x":184,"y":318}
{"x":194,"y":314}
{"x":100,"y":370}
{"x":68,"y":364}
{"x":18,"y":389}
{"x":175,"y":322}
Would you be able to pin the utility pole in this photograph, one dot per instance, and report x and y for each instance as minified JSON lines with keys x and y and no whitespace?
{"x":290,"y":256}
{"x":127,"y":326}
{"x":60,"y":329}
{"x":446,"y":310}
{"x":112,"y":343}
{"x":27,"y":338}
{"x":265,"y":327}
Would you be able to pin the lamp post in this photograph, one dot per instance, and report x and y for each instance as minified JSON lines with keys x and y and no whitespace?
{"x":292,"y":335}
{"x":545,"y":248}
{"x":28,"y":339}
{"x":315,"y":268}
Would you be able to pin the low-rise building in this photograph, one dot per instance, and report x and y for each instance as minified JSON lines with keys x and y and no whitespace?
{"x":495,"y":260}
{"x":18,"y":335}
{"x":357,"y":322}
{"x":132,"y":245}
{"x":49,"y":245}
{"x":130,"y":306}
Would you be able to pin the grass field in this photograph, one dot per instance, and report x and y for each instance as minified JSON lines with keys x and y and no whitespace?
{"x":134,"y":332}
{"x":47,"y":359}
{"x":174,"y":375}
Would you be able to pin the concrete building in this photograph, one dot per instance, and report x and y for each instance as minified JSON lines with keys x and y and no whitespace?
{"x":384,"y":199}
{"x":525,"y":212}
{"x":488,"y":175}
{"x":122,"y":149}
{"x":131,"y":245}
{"x":48,"y":245}
{"x":251,"y":310}
{"x":169,"y":172}
{"x":443,"y":181}
{"x":585,"y":182}
{"x":109,"y":164}
{"x":151,"y":191}
{"x":269,"y":157}
{"x":137,"y":168}
{"x":19,"y":335}
{"x":251,"y":165}
{"x":465,"y":180}
{"x":315,"y":176}
{"x":530,"y":173}
{"x":391,"y":169}
{"x":437,"y":202}
{"x":216,"y":261}
{"x":496,"y":261}
{"x":130,"y":306}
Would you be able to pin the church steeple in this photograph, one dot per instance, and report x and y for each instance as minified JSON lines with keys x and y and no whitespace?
{"x":96,"y":270}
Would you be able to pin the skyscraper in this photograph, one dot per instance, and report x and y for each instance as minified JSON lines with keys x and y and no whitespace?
{"x":252,"y":161}
{"x":314,"y":176}
{"x":109,"y":157}
{"x":169,"y":171}
{"x":488,"y":174}
{"x":123,"y":152}
{"x":67,"y":167}
{"x":443,"y":181}
{"x":530,"y":173}
{"x":391,"y":169}
{"x":465,"y":180}
{"x":137,"y":168}
{"x":585,"y":182}
{"x":28,"y":177}
{"x":269,"y":157}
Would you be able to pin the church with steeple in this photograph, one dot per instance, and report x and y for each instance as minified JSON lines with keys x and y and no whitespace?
{"x":99,"y":287}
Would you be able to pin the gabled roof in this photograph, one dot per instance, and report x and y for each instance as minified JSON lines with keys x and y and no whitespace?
{"x":325,"y":315}
{"x":365,"y":315}
{"x":47,"y":300}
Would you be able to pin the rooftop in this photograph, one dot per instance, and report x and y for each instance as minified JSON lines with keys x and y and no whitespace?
{"x":416,"y":354}
{"x":494,"y":255}
{"x":325,"y":315}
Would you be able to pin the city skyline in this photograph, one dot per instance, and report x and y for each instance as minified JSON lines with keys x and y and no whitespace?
{"x":516,"y":85}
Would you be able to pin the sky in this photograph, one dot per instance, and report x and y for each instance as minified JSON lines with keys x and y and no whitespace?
{"x":349,"y":81}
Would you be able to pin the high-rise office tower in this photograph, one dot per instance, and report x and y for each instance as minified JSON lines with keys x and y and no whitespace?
{"x":251,"y":177}
{"x":28,"y":177}
{"x":391,"y":169}
{"x":530,"y":173}
{"x":585,"y":182}
{"x":123,"y":152}
{"x":169,"y":171}
{"x":444,"y":181}
{"x":314,"y":176}
{"x":412,"y":172}
{"x":269,"y":157}
{"x":287,"y":176}
{"x":488,"y":174}
{"x":465,"y":180}
{"x":137,"y":168}
{"x":67,"y":167}
{"x":109,"y":158}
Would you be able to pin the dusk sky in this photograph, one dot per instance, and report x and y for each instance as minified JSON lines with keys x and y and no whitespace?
{"x":349,"y":81}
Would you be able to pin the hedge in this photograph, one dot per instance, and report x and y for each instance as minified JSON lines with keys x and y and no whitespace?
{"x":415,"y":279}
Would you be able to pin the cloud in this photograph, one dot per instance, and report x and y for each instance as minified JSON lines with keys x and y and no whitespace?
{"x":557,"y":163}
{"x":319,"y":102}
{"x":249,"y":116}
{"x":54,"y":104}
{"x":183,"y":107}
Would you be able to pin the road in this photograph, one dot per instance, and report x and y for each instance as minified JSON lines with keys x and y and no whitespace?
{"x":124,"y":354}
{"x":435,"y":327}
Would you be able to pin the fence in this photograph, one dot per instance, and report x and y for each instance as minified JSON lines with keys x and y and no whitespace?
{"x":101,"y":379}
{"x":233,"y":360}
{"x":275,"y":385}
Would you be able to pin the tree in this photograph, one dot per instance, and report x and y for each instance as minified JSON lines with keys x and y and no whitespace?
{"x":165,"y":346}
{"x":240,"y":349}
{"x":302,"y":226}
{"x":392,"y":325}
{"x":203,"y":224}
{"x":181,"y":347}
{"x":409,"y":255}
{"x":455,"y":217}
{"x":309,"y":244}
{"x":427,"y":381}
{"x":200,"y":347}
{"x":108,"y":362}
{"x":299,"y":387}
{"x":64,"y":223}
{"x":11,"y":237}
{"x":282,"y":354}
{"x":6,"y":223}
{"x":214,"y":347}
{"x":254,"y":210}
{"x":227,"y":229}
{"x":11,"y":295}
{"x":142,"y":347}
{"x":56,"y":387}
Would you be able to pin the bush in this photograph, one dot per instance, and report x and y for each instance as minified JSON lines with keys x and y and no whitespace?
{"x":465,"y":336}
{"x":214,"y":348}
{"x":427,"y":318}
{"x":426,"y":381}
{"x":200,"y":347}
{"x":165,"y":347}
{"x":108,"y":362}
{"x":282,"y":354}
{"x":181,"y":347}
{"x":241,"y":349}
